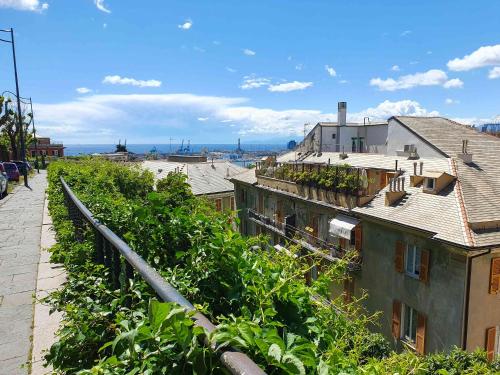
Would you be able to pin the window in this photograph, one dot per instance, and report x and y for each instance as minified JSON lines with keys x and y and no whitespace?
{"x":231,"y":202}
{"x":55,"y":152}
{"x":353,"y":147}
{"x":361,"y":144}
{"x":430,"y":182}
{"x":218,"y":204}
{"x":409,"y":324}
{"x":334,"y":136}
{"x":33,"y":154}
{"x":412,"y":257}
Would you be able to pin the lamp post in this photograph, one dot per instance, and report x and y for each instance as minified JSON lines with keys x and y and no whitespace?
{"x":23,"y":146}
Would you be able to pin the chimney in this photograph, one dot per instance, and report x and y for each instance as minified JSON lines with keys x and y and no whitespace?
{"x":342,"y":114}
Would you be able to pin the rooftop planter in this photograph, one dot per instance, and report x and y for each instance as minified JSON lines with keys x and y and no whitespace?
{"x":340,"y":185}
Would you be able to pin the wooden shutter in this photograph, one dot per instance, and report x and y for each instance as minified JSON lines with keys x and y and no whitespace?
{"x":399,"y":259}
{"x":495,"y":276}
{"x":342,"y":243}
{"x":348,"y":289}
{"x":420,"y":339}
{"x":358,"y":237}
{"x":231,"y":200}
{"x":424,"y":265}
{"x":218,"y":204}
{"x":491,"y":334}
{"x":396,"y":319}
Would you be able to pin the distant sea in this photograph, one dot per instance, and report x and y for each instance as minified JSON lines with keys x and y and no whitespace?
{"x":75,"y":150}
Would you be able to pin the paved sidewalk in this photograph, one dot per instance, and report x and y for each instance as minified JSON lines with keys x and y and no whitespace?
{"x":20,"y":226}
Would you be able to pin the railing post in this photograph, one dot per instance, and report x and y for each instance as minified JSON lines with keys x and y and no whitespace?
{"x":129,"y":275}
{"x":99,"y":247}
{"x":116,"y":268}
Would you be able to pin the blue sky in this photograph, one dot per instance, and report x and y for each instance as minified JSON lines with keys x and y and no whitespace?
{"x":213,"y":71}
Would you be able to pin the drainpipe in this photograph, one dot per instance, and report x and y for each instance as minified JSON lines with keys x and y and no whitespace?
{"x":468,"y":270}
{"x":320,"y":138}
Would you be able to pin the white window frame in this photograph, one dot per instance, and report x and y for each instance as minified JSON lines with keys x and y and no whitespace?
{"x":55,"y":152}
{"x":413,"y":320}
{"x":413,"y":254}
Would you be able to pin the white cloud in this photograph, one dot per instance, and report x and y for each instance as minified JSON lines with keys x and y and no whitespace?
{"x":100,"y":5}
{"x":249,"y":52}
{"x":299,"y":66}
{"x":343,"y":81}
{"x":253,"y":82}
{"x":331,"y":72}
{"x":433,"y":77}
{"x":494,"y":73}
{"x":289,"y":86}
{"x":104,"y":25}
{"x":483,"y":56}
{"x":29,"y":5}
{"x":231,"y":70}
{"x":406,"y":33}
{"x":117,"y":80}
{"x":395,"y":68}
{"x":111,"y":116}
{"x":453,"y":83}
{"x":186,"y":25}
{"x":451,"y":101}
{"x":83,"y":90}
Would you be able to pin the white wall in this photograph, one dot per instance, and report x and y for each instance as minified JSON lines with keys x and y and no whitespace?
{"x":398,"y":136}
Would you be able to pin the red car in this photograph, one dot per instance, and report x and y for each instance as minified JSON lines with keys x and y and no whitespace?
{"x":12,"y":171}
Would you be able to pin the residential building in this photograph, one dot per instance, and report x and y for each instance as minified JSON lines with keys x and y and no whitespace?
{"x":423,"y":219}
{"x":343,"y":136}
{"x":45,"y":147}
{"x":493,"y":128}
{"x":207,"y":179}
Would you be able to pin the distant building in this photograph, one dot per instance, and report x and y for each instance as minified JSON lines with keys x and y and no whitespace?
{"x":424,"y":224}
{"x":343,"y":136}
{"x":291,"y":145}
{"x":45,"y":147}
{"x":114,"y":156}
{"x":493,"y":129}
{"x":208,"y":179}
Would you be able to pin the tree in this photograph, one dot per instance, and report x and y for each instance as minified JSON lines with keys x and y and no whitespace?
{"x":9,"y":129}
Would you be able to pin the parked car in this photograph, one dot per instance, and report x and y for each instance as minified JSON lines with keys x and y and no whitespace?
{"x":4,"y":182}
{"x":22,"y":166}
{"x":12,"y":171}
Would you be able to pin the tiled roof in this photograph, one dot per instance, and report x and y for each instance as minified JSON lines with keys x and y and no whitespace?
{"x":480,"y":180}
{"x":204,"y":177}
{"x":435,"y":213}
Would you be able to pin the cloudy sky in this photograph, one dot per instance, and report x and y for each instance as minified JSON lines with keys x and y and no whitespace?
{"x":213,"y":71}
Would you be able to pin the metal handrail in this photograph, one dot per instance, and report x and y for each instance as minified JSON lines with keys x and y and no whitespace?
{"x":109,"y":247}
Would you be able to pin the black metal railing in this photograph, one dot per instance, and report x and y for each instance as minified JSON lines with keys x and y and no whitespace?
{"x":123,"y":263}
{"x":303,"y":238}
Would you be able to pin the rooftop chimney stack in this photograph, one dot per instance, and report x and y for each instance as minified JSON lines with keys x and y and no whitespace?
{"x":342,"y":114}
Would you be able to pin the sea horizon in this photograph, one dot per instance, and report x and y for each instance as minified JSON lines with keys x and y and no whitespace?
{"x":142,"y":148}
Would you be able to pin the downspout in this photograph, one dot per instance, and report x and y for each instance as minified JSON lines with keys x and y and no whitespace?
{"x":320,"y":138}
{"x":468,"y":270}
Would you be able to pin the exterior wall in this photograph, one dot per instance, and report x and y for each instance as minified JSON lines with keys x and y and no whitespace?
{"x":376,"y":138}
{"x":225,"y":199}
{"x":328,"y":143}
{"x":440,"y":300}
{"x":398,"y":136}
{"x":480,"y":316}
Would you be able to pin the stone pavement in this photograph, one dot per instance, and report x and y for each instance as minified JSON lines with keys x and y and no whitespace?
{"x":20,"y":227}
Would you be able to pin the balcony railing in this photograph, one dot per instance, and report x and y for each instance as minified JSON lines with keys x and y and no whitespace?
{"x":113,"y":252}
{"x":303,"y":238}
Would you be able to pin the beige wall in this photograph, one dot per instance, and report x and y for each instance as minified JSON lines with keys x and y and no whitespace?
{"x":484,"y":308}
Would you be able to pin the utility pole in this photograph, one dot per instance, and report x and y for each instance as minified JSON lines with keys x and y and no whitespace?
{"x":19,"y":114}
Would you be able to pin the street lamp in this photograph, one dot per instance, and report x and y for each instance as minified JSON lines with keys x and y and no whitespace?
{"x":23,"y":148}
{"x":32,"y":121}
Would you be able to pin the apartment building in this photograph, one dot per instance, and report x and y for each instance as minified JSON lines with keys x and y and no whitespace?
{"x":343,"y":136}
{"x":423,"y":217}
{"x":209,"y":179}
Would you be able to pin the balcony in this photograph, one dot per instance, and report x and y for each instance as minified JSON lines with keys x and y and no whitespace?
{"x":339,"y":185}
{"x":302,"y":238}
